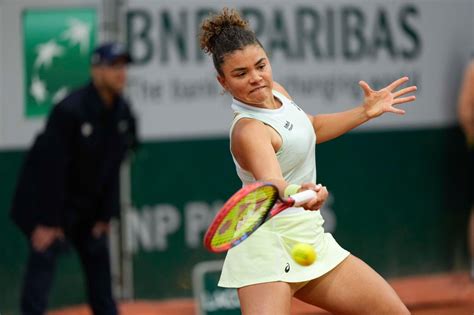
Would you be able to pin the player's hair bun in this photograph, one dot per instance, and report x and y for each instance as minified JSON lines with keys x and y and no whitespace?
{"x":221,"y":27}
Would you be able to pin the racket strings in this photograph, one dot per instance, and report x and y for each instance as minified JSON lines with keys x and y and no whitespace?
{"x":245,"y":216}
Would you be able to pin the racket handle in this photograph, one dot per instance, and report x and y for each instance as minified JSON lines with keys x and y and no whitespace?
{"x":303,"y":197}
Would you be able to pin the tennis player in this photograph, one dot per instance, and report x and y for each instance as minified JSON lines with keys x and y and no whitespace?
{"x":273,"y":140}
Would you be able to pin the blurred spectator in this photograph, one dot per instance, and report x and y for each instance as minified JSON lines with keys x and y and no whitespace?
{"x":68,"y":189}
{"x":466,"y":119}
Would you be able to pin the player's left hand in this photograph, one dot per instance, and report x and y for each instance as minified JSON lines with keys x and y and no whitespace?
{"x":382,"y":101}
{"x":321,"y":196}
{"x":100,"y":228}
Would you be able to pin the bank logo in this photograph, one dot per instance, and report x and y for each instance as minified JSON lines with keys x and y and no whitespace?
{"x":56,"y":49}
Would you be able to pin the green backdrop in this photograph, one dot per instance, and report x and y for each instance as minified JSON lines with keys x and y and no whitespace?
{"x":400,"y":200}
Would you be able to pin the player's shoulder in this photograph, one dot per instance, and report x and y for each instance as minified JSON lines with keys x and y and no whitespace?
{"x":246,"y":128}
{"x":245,"y":122}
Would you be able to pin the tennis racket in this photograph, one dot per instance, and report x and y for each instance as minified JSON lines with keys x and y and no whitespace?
{"x":245,"y":211}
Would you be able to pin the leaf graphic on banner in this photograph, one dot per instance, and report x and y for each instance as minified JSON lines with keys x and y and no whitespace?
{"x":38,"y":90}
{"x":60,"y":94}
{"x":46,"y":53}
{"x":57,"y":47}
{"x":78,"y":33}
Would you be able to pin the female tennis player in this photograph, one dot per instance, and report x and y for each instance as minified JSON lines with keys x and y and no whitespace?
{"x":273,"y":140}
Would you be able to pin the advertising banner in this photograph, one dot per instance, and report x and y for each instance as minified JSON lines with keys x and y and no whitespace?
{"x":57,"y":46}
{"x":45,"y":49}
{"x":319,"y":50}
{"x":209,"y":298}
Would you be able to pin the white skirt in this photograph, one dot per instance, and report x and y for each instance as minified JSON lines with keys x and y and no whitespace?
{"x":265,"y":255}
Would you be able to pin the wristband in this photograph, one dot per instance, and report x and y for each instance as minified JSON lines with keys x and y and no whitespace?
{"x":291,"y":189}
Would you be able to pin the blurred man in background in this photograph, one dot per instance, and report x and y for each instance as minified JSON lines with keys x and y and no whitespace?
{"x":68,"y":189}
{"x":466,"y":119}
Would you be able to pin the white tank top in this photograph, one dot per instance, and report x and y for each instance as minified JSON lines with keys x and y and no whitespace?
{"x":297,"y":156}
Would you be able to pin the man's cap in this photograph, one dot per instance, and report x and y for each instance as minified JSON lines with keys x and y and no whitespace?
{"x":108,"y":53}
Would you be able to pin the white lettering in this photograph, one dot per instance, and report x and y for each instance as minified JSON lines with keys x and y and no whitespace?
{"x":167,"y":221}
{"x":139,"y":229}
{"x":149,"y":228}
{"x":198,"y":217}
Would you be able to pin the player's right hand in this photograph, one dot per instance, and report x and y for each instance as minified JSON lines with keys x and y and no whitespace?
{"x":43,"y":236}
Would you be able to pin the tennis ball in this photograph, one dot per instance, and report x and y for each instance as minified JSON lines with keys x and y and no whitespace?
{"x":304,"y":254}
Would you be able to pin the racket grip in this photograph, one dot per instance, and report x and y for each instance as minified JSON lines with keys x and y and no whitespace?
{"x":303,"y":197}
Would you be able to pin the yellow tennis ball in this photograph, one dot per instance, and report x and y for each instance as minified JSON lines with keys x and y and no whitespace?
{"x":304,"y":254}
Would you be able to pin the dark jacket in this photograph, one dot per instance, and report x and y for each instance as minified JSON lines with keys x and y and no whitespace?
{"x":71,"y":173}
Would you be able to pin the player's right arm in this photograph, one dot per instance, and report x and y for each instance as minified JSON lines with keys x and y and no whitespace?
{"x":253,"y":149}
{"x":254,"y":145}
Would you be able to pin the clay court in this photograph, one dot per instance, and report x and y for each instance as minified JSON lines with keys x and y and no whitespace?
{"x":443,"y":294}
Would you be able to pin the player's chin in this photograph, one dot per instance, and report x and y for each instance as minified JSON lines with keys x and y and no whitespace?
{"x":259,"y":95}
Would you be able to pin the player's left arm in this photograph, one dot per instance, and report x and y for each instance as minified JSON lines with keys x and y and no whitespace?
{"x":376,"y":103}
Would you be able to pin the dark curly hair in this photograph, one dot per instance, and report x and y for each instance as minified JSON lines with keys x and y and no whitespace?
{"x":223,"y":33}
